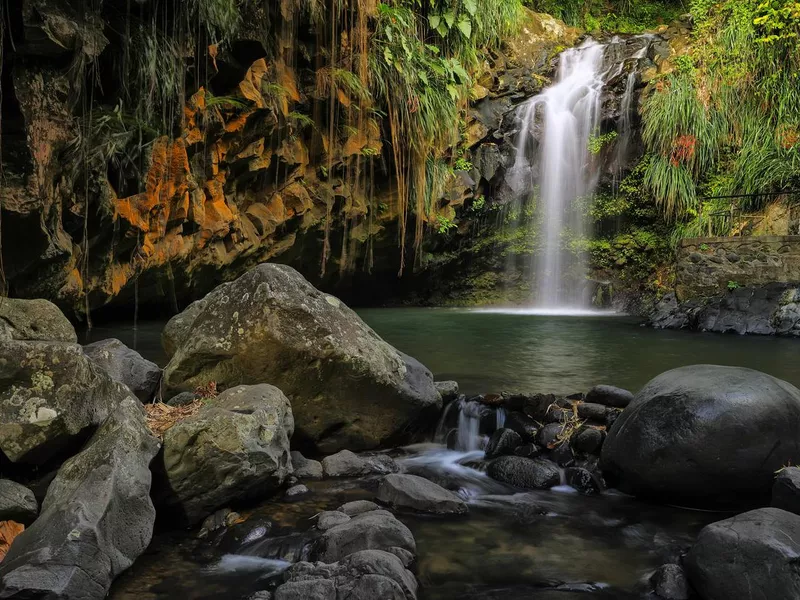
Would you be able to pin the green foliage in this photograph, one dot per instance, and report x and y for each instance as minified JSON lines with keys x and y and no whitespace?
{"x":221,"y":18}
{"x":619,"y":16}
{"x":727,"y":121}
{"x":462,"y":164}
{"x":598,"y":142}
{"x":733,"y":285}
{"x":444,"y":225}
{"x":478,"y":203}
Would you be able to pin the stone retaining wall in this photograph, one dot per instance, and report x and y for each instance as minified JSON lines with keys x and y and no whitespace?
{"x":708,"y":266}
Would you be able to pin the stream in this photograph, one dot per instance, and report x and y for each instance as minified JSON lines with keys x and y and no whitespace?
{"x":545,"y":545}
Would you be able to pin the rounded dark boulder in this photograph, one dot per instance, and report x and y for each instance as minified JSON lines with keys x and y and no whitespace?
{"x":502,"y":442}
{"x":705,"y":435}
{"x":532,"y":474}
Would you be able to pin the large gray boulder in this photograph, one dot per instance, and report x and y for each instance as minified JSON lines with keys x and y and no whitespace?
{"x":51,"y":399}
{"x":17,"y":503}
{"x":126,"y":366}
{"x":364,"y":575}
{"x":786,"y":490}
{"x":348,"y":388}
{"x":752,"y":556}
{"x":96,"y":519}
{"x":402,"y":490}
{"x":373,"y":530}
{"x":705,"y":436}
{"x":34,"y":320}
{"x":235,"y":448}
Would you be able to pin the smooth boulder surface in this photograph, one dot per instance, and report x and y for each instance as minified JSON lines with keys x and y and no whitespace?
{"x":126,"y":366}
{"x":502,"y":442}
{"x":608,"y":395}
{"x":348,"y":387}
{"x":34,"y":320}
{"x":752,"y":556}
{"x":401,"y":490}
{"x":17,"y":503}
{"x":786,"y":490}
{"x":348,"y":464}
{"x":52,"y":398}
{"x":372,"y":530}
{"x":706,"y":436}
{"x":235,"y":448}
{"x":96,"y":519}
{"x":305,"y":468}
{"x":527,"y":473}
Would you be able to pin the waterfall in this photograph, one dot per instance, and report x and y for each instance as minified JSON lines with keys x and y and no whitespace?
{"x":475,"y":421}
{"x":569,"y":113}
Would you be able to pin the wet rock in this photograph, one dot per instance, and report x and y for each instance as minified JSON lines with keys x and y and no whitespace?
{"x":96,"y":519}
{"x":611,"y":418}
{"x":590,"y":411}
{"x":608,"y":395}
{"x":331,"y":518}
{"x":34,"y":320}
{"x":539,"y":406}
{"x":417,"y":493}
{"x":523,"y":425}
{"x":296,"y":490}
{"x":357,"y":507}
{"x":588,"y":440}
{"x":558,"y":415}
{"x":348,"y":464}
{"x":373,"y":530}
{"x":221,"y":519}
{"x":236,"y":448}
{"x":532,"y":474}
{"x":502,"y":442}
{"x":563,"y":455}
{"x":786,"y":490}
{"x":695,"y":435}
{"x":669,"y":582}
{"x":17,"y":503}
{"x":528,"y":450}
{"x":752,"y":556}
{"x":271,"y":325}
{"x":305,"y":468}
{"x":307,"y":589}
{"x":549,"y":434}
{"x":448,"y":390}
{"x":126,"y":366}
{"x":52,"y":398}
{"x":584,"y":481}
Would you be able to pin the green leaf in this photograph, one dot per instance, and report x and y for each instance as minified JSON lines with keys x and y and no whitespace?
{"x":453,"y":91}
{"x":442,"y":29}
{"x":471,"y":6}
{"x":387,"y":56}
{"x":423,"y":76}
{"x":434,"y":21}
{"x":450,"y":19}
{"x":389,"y":34}
{"x":465,"y":26}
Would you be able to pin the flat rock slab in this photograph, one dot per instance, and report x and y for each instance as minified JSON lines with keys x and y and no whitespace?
{"x":419,"y":494}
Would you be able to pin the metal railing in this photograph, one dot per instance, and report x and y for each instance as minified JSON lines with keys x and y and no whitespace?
{"x":741,"y":221}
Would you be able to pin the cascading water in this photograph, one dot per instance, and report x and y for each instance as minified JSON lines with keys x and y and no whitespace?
{"x":569,"y":114}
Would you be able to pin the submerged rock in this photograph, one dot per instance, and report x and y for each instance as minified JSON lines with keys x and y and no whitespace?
{"x":96,"y":519}
{"x":786,"y":490}
{"x":401,"y":490}
{"x":17,"y":503}
{"x":52,"y":398}
{"x":349,"y":388}
{"x":669,"y":583}
{"x":527,"y":473}
{"x":126,"y":366}
{"x":608,"y":395}
{"x":696,"y":435}
{"x":752,"y":556}
{"x":584,"y":481}
{"x":236,"y":448}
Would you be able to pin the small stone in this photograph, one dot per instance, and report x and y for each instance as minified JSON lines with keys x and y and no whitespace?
{"x":182,"y":399}
{"x":670,"y":583}
{"x":548,"y":435}
{"x":344,"y":464}
{"x":532,"y":474}
{"x":611,"y":417}
{"x":563,"y":455}
{"x":588,"y":440}
{"x":17,"y":503}
{"x":609,"y":395}
{"x":523,"y":425}
{"x":417,"y":493}
{"x":583,"y":481}
{"x":296,"y":490}
{"x":528,"y":450}
{"x":558,"y":415}
{"x":447,"y":389}
{"x":305,"y":468}
{"x":591,"y":411}
{"x":331,"y":518}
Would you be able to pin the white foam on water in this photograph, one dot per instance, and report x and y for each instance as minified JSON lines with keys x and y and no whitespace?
{"x":239,"y":563}
{"x":548,"y":312}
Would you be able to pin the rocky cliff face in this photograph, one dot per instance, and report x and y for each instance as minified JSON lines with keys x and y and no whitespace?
{"x":98,"y":209}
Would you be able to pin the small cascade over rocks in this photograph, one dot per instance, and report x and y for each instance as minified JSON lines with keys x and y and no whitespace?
{"x":560,"y":156}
